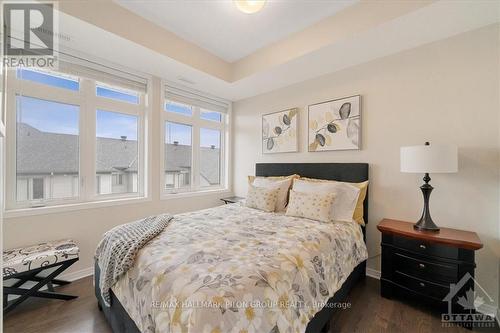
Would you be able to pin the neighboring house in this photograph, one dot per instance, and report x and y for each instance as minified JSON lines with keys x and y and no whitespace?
{"x":48,"y":164}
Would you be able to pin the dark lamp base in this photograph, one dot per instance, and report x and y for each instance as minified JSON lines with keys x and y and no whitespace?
{"x":426,"y":223}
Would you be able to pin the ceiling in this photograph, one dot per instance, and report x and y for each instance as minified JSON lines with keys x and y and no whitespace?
{"x":340,"y":41}
{"x":221,"y":29}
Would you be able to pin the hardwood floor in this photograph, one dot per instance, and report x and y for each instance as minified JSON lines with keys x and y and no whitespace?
{"x":42,"y":315}
{"x":368,"y":313}
{"x":372,"y":313}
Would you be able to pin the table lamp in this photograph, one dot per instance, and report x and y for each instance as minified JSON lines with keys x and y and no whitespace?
{"x":428,"y":159}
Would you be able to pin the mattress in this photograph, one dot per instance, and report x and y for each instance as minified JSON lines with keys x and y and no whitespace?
{"x":237,"y":269}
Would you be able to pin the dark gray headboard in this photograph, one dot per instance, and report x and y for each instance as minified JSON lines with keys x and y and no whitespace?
{"x":344,"y":172}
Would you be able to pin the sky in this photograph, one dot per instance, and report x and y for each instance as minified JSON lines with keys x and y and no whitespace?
{"x":54,"y":117}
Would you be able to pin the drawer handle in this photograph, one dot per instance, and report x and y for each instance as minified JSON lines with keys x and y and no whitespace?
{"x":422,"y":284}
{"x":422,"y":246}
{"x":422,"y":266}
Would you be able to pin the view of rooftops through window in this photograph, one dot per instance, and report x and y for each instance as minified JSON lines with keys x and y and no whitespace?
{"x":178,"y":152}
{"x":117,"y":153}
{"x":179,"y":149}
{"x":48,"y":149}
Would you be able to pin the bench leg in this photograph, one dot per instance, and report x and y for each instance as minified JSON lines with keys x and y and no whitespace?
{"x":34,"y":291}
{"x":54,"y":281}
{"x":42,"y":294}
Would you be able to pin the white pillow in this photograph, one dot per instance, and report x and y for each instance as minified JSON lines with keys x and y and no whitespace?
{"x":313,"y":206}
{"x":346,"y":195}
{"x":282,"y":184}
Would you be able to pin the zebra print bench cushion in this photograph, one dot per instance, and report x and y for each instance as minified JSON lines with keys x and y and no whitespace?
{"x":24,"y":259}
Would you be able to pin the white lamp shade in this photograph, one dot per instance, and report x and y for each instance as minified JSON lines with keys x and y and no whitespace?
{"x":429,"y":159}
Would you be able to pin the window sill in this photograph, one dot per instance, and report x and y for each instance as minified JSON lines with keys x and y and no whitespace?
{"x":20,"y":212}
{"x":190,"y":194}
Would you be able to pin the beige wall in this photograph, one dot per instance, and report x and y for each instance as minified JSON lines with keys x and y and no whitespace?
{"x":86,"y":226}
{"x":444,"y":92}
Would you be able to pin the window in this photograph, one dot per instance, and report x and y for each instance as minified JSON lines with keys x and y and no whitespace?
{"x":194,"y":137}
{"x":47,"y":146}
{"x":37,"y":188}
{"x":117,"y":152}
{"x":76,"y":138}
{"x":210,"y":157}
{"x":117,"y":179}
{"x":52,"y":79}
{"x":178,"y":155}
{"x":178,"y":108}
{"x":117,"y":94}
{"x":211,"y":115}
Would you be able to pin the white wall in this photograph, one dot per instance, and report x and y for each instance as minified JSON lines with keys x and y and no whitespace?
{"x":444,"y":92}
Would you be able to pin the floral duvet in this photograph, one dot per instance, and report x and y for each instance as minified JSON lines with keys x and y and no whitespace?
{"x":238,"y":270}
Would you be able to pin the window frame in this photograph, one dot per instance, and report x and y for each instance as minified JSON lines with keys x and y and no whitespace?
{"x":141,"y":139}
{"x":88,"y":102}
{"x":3,"y":107}
{"x":184,"y":123}
{"x":196,"y":122}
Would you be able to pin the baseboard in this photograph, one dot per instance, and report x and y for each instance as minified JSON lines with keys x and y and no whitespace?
{"x":373,"y":273}
{"x":73,"y":276}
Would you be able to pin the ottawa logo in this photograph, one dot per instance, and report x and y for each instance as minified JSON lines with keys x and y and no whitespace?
{"x":466,"y":307}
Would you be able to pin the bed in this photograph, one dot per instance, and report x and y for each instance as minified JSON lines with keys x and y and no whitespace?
{"x":204,"y":270}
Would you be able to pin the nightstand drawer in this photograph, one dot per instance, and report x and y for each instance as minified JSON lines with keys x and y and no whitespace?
{"x":426,"y":248}
{"x":422,"y":265}
{"x":423,"y":287}
{"x":433,"y":271}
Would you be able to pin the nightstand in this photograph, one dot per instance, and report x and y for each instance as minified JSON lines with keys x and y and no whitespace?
{"x":229,"y":200}
{"x":423,"y":265}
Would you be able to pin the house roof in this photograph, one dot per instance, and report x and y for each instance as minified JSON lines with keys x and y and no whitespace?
{"x":41,"y":152}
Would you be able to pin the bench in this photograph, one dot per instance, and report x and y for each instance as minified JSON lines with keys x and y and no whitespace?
{"x":23,"y":266}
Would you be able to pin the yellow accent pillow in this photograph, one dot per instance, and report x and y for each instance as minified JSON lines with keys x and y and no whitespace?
{"x":314,"y":206}
{"x":262,"y":198}
{"x":359,"y":211}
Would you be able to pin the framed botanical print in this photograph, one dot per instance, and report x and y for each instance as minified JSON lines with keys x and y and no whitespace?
{"x":279,"y":131}
{"x":335,"y":125}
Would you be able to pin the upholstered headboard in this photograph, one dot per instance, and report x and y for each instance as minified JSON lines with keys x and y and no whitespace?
{"x":344,"y":172}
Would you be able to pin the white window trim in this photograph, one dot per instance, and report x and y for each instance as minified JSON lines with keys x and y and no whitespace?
{"x":2,"y":104}
{"x":45,"y":210}
{"x":196,"y":122}
{"x":87,"y":100}
{"x":2,"y":130}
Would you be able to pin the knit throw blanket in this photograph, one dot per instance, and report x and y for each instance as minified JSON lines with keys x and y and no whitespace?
{"x":117,"y":250}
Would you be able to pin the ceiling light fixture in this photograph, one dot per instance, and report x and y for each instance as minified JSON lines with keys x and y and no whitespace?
{"x":249,"y":6}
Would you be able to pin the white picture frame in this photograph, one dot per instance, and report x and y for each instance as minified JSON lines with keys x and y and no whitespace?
{"x":280,"y":131}
{"x":335,"y":125}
